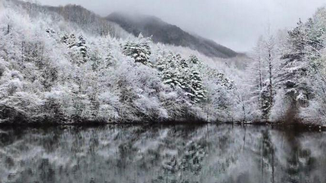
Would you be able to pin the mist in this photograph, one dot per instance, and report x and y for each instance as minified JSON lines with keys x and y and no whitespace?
{"x":236,"y":24}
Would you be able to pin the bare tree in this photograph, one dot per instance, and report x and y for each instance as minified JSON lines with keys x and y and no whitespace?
{"x":270,"y":48}
{"x":259,"y":52}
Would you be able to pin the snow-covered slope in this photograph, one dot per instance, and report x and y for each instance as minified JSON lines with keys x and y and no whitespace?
{"x":77,"y":16}
{"x":54,"y":71}
{"x":162,"y":32}
{"x":57,"y":66}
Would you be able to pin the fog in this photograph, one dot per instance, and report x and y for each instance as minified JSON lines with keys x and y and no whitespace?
{"x":236,"y":24}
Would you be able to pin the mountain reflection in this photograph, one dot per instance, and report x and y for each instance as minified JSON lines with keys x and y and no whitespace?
{"x":209,"y":153}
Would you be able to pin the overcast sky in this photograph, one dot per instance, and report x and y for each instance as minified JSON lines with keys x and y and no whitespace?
{"x":236,"y":24}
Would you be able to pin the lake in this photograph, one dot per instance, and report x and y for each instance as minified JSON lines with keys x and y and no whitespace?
{"x":161,"y":154}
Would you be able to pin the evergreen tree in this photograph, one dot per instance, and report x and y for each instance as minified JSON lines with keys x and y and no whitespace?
{"x":297,"y":70}
{"x":178,"y":72}
{"x":78,"y":48}
{"x":197,"y":93}
{"x":140,"y":51}
{"x":167,"y":65}
{"x":81,"y":44}
{"x":297,"y":40}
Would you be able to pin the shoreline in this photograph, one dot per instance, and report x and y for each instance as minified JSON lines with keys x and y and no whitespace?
{"x":274,"y":125}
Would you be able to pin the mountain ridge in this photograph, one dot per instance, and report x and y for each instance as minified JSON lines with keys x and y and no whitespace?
{"x":120,"y":25}
{"x":85,"y":19}
{"x":162,"y":32}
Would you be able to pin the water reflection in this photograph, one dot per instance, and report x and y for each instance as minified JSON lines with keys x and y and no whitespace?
{"x":211,"y":153}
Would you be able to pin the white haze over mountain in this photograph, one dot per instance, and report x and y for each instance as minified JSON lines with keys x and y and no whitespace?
{"x":236,"y":24}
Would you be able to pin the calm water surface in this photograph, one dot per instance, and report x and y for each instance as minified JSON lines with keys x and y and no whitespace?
{"x":161,"y":154}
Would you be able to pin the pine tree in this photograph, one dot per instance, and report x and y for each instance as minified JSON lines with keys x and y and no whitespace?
{"x":167,"y":65}
{"x":197,"y":89}
{"x":140,"y":51}
{"x":296,"y":71}
{"x":315,"y":42}
{"x":78,"y":48}
{"x":81,"y":44}
{"x":178,"y":72}
{"x":297,"y":39}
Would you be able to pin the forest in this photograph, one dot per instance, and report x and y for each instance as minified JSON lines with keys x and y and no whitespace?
{"x":67,"y":66}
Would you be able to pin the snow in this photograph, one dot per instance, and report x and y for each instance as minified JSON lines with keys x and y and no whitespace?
{"x":57,"y":69}
{"x":60,"y":72}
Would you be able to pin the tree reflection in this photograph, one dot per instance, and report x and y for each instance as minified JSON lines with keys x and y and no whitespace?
{"x":212,"y":153}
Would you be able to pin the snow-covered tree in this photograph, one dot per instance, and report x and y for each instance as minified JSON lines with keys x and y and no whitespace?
{"x":178,"y":72}
{"x":298,"y":67}
{"x":140,"y":50}
{"x":78,"y":48}
{"x":51,"y":70}
{"x":168,"y":66}
{"x":259,"y":100}
{"x":268,"y":89}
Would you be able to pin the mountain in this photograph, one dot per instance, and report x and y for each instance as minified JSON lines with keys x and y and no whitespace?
{"x":77,"y":15}
{"x":84,"y":18}
{"x":119,"y":25}
{"x":53,"y":69}
{"x":165,"y":33}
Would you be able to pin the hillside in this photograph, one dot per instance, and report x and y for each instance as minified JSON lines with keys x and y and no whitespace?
{"x":61,"y":73}
{"x":165,"y":33}
{"x":78,"y":17}
{"x":55,"y":68}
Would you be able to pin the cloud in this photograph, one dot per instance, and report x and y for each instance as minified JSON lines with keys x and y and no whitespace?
{"x":234,"y":23}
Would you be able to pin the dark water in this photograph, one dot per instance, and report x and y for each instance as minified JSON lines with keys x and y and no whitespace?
{"x":162,"y":154}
